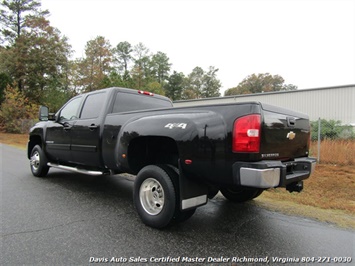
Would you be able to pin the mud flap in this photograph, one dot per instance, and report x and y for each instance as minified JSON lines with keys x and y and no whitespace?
{"x":192,"y":194}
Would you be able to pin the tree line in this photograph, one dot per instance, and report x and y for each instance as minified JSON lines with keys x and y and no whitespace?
{"x":36,"y":58}
{"x":36,"y":66}
{"x":260,"y":83}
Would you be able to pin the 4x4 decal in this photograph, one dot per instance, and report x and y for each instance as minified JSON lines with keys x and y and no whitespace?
{"x":176,"y":125}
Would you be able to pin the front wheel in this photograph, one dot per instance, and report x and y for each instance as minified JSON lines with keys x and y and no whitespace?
{"x":241,"y":194}
{"x":38,"y":162}
{"x":154,"y":196}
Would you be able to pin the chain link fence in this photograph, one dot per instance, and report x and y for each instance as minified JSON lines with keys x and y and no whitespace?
{"x":333,"y":142}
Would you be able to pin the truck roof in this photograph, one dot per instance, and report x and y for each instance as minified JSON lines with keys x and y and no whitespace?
{"x":132,"y":91}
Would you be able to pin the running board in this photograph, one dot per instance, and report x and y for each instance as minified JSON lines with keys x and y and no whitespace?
{"x":74,"y":169}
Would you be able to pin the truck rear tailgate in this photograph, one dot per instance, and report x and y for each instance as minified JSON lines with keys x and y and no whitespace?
{"x":285,"y":134}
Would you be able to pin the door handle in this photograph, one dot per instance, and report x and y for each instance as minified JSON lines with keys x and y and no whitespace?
{"x":67,"y":126}
{"x":93,"y":127}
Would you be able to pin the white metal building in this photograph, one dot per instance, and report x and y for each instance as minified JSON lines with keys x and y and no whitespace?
{"x":336,"y":103}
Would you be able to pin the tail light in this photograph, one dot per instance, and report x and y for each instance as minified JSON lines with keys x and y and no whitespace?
{"x":246,"y":134}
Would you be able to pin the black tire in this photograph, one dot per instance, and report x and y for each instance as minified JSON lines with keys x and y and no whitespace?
{"x":154,"y":196}
{"x":182,"y":216}
{"x":258,"y":193}
{"x":212,"y":192}
{"x":38,"y":162}
{"x":241,"y":194}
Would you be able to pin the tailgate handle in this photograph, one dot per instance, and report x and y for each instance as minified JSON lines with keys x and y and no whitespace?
{"x":291,"y":121}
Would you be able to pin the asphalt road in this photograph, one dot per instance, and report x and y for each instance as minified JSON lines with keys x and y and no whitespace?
{"x":72,"y":219}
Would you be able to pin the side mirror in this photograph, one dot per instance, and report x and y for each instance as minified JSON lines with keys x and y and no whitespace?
{"x":43,"y":113}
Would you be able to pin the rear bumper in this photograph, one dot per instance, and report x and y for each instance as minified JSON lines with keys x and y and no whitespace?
{"x":269,"y":174}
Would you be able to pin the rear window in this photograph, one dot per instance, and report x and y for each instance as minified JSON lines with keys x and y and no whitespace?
{"x":128,"y":102}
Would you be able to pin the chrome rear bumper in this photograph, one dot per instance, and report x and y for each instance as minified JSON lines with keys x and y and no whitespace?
{"x":269,"y":174}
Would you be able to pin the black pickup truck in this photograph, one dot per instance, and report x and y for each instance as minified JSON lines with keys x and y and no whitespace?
{"x":181,"y":156}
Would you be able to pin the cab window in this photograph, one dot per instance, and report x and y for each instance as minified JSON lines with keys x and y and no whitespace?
{"x":93,"y":105}
{"x":70,"y":110}
{"x":128,"y":102}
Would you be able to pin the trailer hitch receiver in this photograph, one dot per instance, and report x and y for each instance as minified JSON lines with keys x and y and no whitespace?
{"x":295,"y":187}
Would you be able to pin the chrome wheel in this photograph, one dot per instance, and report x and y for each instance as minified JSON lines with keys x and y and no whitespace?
{"x":154,"y":196}
{"x":35,"y":161}
{"x":151,"y":195}
{"x":38,"y":162}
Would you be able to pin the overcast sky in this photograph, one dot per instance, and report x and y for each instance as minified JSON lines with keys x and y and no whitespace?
{"x":310,"y":43}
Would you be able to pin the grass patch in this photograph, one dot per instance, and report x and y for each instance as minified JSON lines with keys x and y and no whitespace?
{"x":340,"y":218}
{"x":17,"y":140}
{"x":330,"y":187}
{"x":328,"y":195}
{"x":335,"y":151}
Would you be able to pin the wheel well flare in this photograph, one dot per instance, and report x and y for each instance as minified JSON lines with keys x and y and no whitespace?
{"x":33,"y":141}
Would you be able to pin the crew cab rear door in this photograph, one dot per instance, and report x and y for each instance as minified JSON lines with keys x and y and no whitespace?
{"x":85,"y":133}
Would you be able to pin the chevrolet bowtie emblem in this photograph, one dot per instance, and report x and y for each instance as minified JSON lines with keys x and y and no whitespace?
{"x":291,"y":135}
